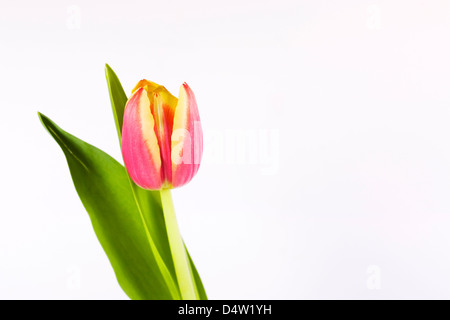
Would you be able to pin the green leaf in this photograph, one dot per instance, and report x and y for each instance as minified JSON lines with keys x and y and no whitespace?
{"x":148,"y":201}
{"x":104,"y":189}
{"x":117,"y":96}
{"x":128,"y":220}
{"x":198,"y":281}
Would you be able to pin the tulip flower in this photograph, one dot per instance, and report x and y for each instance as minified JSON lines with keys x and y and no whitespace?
{"x":162,"y":146}
{"x":162,"y":138}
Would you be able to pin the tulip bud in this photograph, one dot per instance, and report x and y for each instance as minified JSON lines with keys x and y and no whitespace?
{"x":162,"y":140}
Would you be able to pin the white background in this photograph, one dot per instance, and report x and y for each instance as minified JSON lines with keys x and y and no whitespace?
{"x":352,"y":200}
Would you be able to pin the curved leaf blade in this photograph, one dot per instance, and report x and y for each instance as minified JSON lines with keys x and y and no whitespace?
{"x":104,"y":189}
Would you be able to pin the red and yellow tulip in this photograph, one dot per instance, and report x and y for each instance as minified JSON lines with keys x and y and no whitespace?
{"x":162,"y":140}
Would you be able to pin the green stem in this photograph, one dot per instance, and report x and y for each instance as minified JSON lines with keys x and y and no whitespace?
{"x":180,"y":259}
{"x":159,"y":261}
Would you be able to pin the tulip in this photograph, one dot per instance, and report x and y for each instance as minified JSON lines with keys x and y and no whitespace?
{"x":162,"y":145}
{"x":162,"y":139}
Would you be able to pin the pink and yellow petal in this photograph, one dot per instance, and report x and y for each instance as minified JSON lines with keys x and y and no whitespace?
{"x":140,"y":148}
{"x":169,"y":104}
{"x":149,"y":86}
{"x":187,"y":138}
{"x":163,"y":133}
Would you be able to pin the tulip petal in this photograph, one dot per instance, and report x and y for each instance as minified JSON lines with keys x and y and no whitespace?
{"x":147,"y":85}
{"x":140,"y":147}
{"x":160,"y":108}
{"x":186,"y":139}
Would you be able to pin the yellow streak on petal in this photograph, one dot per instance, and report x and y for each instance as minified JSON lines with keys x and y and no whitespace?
{"x":169,"y":101}
{"x":181,"y":111}
{"x":147,"y":123}
{"x":180,"y":122}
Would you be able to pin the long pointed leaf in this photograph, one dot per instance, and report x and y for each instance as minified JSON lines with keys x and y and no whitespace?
{"x":104,"y":189}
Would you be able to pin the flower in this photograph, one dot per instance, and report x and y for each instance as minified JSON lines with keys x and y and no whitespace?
{"x":162,"y":140}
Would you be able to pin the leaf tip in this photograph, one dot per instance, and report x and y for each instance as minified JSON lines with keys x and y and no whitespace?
{"x":46,"y":122}
{"x":42,"y":118}
{"x":108,"y":70}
